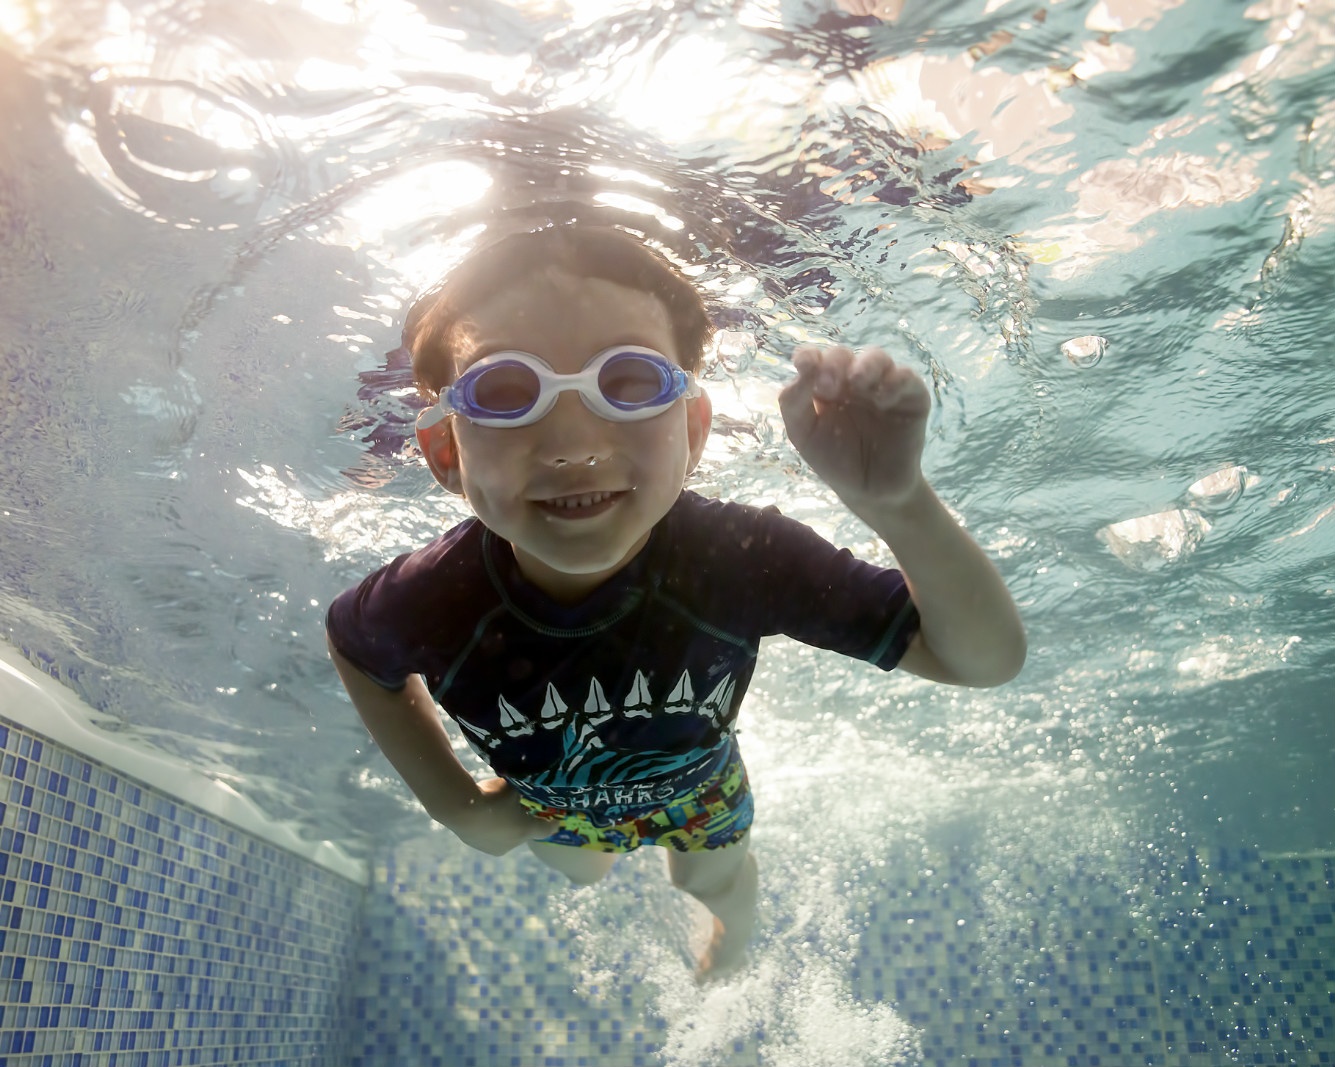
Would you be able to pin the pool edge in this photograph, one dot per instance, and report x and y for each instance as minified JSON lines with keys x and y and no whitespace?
{"x":54,"y":711}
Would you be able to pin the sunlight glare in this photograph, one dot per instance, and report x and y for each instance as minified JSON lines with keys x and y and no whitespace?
{"x":340,"y":12}
{"x":397,"y":40}
{"x":621,"y":174}
{"x":699,"y":90}
{"x":643,"y":207}
{"x":404,"y":200}
{"x":20,"y":19}
{"x":425,"y":266}
{"x":346,"y":524}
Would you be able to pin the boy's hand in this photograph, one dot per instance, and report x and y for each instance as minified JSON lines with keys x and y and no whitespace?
{"x":859,"y":421}
{"x":496,"y":823}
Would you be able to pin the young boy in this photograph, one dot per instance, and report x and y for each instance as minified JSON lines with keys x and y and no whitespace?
{"x":593,"y":629}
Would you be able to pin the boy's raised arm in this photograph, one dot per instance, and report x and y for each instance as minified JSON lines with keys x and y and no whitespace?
{"x":408,"y":728}
{"x":860,"y":422}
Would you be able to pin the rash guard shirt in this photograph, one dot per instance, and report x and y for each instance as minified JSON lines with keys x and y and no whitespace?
{"x":626,"y":700}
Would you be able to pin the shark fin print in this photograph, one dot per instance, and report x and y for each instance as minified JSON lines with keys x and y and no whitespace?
{"x":682,"y":697}
{"x":596,"y":708}
{"x":583,"y":746}
{"x":588,"y":737}
{"x":553,"y":708}
{"x":514,"y":723}
{"x":595,"y":702}
{"x":477,"y":737}
{"x":716,"y":705}
{"x":639,"y":703}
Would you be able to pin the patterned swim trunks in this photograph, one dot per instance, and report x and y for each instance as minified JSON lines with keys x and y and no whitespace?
{"x":717,"y":814}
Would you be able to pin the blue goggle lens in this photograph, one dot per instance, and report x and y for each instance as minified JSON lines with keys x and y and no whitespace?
{"x":499,"y":390}
{"x":629,"y":381}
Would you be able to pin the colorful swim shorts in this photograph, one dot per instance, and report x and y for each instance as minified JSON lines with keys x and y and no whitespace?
{"x":717,"y":814}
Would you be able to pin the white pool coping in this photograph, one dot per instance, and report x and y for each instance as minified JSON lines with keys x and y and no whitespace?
{"x":41,"y":704}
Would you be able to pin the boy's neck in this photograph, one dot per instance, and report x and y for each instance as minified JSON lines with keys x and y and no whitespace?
{"x":566,"y":588}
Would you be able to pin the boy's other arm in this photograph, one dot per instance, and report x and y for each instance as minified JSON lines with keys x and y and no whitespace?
{"x":970,"y":631}
{"x":860,"y":422}
{"x":407,"y":726}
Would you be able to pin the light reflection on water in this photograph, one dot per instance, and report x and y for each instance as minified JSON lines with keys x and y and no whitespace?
{"x":1101,"y":231}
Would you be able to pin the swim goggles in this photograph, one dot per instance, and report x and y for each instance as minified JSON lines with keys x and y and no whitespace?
{"x":622,"y":384}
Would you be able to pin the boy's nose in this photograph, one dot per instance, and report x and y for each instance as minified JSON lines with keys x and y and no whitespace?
{"x":572,"y":435}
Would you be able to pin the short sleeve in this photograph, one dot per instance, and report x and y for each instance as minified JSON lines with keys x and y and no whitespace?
{"x":825,"y":596}
{"x":389,"y":625}
{"x":361,"y":626}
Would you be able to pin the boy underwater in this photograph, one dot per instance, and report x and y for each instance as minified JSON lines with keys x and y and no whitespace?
{"x":592,"y":630}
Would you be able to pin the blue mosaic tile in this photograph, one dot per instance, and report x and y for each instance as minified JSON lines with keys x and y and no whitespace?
{"x":1075,"y":968}
{"x":136,"y":930}
{"x":1248,"y":963}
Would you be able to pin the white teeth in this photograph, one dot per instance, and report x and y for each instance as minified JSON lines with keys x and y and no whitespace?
{"x":584,"y":500}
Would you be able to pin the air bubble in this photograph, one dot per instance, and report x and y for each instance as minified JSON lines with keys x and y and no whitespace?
{"x":1085,"y":352}
{"x":735,"y":350}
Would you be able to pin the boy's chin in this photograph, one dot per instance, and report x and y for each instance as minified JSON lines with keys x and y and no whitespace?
{"x":577,"y":566}
{"x":552,"y":567}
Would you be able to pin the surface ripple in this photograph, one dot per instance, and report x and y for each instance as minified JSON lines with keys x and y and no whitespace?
{"x":214,"y":216}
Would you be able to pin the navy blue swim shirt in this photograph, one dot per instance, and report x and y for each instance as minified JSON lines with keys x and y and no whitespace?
{"x":626,"y":700}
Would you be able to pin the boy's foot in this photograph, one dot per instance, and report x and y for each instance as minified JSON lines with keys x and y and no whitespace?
{"x":723,"y":956}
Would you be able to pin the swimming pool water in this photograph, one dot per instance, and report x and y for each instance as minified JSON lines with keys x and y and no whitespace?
{"x":1101,"y":229}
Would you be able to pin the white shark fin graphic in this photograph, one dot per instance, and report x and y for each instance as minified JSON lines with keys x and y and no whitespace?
{"x":595,"y":701}
{"x":596,"y":708}
{"x":553,"y":708}
{"x":589,"y":739}
{"x":639,"y":701}
{"x":716,"y":705}
{"x":584,"y":746}
{"x":513,"y":723}
{"x":682,"y":697}
{"x":478,"y":738}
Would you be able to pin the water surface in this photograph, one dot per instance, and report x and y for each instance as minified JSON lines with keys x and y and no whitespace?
{"x":1101,"y":230}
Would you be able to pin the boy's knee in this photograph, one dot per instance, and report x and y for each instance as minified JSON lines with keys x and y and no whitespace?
{"x":581,"y":867}
{"x":710,"y":880}
{"x":585,"y":877}
{"x":697,"y":886}
{"x":687,"y":880}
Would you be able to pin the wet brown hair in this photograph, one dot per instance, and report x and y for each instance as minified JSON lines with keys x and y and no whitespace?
{"x":430,"y":333}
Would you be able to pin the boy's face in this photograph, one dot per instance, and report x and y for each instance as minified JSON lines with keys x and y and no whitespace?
{"x":572,"y":523}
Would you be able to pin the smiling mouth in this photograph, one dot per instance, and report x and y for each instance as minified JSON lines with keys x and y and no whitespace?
{"x":580,"y":505}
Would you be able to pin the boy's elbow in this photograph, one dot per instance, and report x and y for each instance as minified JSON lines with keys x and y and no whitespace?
{"x":979,"y":668}
{"x":1003,"y":671}
{"x":1007,"y":664}
{"x":1005,"y":659}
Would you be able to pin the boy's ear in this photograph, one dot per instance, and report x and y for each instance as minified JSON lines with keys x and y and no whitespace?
{"x":441,"y":454}
{"x":699,"y":417}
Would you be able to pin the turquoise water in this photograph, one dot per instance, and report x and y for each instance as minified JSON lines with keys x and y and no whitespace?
{"x":1102,"y":230}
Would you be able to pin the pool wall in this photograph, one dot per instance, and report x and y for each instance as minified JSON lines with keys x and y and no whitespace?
{"x":1209,"y":957}
{"x":149,"y":916}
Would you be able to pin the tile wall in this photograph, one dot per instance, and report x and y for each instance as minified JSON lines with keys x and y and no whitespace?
{"x":137,"y":930}
{"x":141,"y":930}
{"x":1212,"y":959}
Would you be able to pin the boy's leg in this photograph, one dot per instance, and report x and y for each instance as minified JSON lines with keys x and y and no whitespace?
{"x":724,"y":880}
{"x":581,"y":865}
